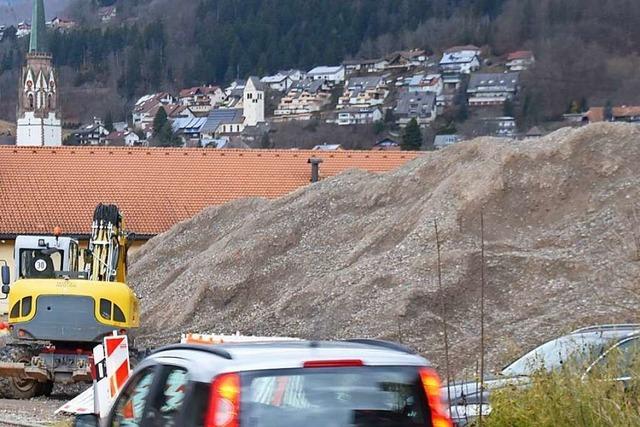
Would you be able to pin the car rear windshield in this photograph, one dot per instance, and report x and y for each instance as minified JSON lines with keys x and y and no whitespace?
{"x":333,"y":397}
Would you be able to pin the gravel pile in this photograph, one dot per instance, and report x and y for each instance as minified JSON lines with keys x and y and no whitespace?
{"x":355,"y":255}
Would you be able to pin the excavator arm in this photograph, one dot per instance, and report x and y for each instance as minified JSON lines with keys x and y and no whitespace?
{"x":108,"y":245}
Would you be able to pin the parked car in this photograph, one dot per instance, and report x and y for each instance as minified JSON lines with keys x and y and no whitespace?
{"x":587,"y":347}
{"x":283,"y":384}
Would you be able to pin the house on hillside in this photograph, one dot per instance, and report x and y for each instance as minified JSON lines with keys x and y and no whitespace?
{"x":234,"y":94}
{"x":93,"y":134}
{"x":123,"y":139}
{"x":463,"y":62}
{"x":358,"y":116}
{"x":520,"y":60}
{"x":177,"y":111}
{"x":386,"y":144}
{"x":416,"y":105}
{"x":294,"y":74}
{"x":146,"y":108}
{"x":201,"y":99}
{"x":504,"y":127}
{"x":327,"y":147}
{"x":442,"y":141}
{"x":332,"y":75}
{"x":304,"y":99}
{"x":491,"y":89}
{"x":406,"y":59}
{"x":278,"y":82}
{"x":62,"y":24}
{"x":426,"y":83}
{"x":468,"y":49}
{"x":625,"y":113}
{"x":353,"y":66}
{"x":363,"y":92}
{"x":223,"y":122}
{"x":189,"y":129}
{"x":107,"y":14}
{"x":23,"y":29}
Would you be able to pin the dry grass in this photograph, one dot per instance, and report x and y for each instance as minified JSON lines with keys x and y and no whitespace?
{"x":566,"y":398}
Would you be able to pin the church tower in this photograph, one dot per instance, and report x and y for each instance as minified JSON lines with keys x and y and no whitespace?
{"x":253,"y":102}
{"x":39,"y":122}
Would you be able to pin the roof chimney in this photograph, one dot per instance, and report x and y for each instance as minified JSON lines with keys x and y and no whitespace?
{"x":315,"y":168}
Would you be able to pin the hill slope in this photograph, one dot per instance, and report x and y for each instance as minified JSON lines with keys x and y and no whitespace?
{"x":355,"y":255}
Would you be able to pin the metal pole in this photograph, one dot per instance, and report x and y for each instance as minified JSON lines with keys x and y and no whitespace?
{"x":482,"y":286}
{"x":444,"y":318}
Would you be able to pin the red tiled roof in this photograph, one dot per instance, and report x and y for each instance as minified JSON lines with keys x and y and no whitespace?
{"x":154,"y":187}
{"x":520,"y":54}
{"x":206,"y":90}
{"x":596,"y":114}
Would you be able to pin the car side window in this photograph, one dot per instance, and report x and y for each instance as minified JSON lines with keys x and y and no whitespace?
{"x":625,"y":356}
{"x":131,"y":404}
{"x":169,"y":405}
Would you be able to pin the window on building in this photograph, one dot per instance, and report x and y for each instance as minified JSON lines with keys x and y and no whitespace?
{"x":31,"y":101}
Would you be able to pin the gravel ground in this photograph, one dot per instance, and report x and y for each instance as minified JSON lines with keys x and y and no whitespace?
{"x":355,"y":255}
{"x":35,"y":411}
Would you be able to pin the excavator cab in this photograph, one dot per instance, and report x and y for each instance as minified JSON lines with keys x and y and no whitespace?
{"x":46,"y":257}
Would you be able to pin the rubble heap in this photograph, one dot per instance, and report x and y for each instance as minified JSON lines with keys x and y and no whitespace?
{"x":355,"y":255}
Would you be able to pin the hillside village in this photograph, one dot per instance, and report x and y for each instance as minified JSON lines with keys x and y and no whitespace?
{"x":389,"y":93}
{"x":457,"y":94}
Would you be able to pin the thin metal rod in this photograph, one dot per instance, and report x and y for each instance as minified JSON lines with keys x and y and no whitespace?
{"x":444,"y":316}
{"x":482,"y":286}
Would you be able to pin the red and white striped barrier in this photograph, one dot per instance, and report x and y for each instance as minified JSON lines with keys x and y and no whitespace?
{"x":111,"y":370}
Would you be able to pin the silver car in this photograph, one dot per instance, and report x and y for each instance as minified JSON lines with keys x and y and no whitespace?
{"x":586,"y":346}
{"x":283,"y":384}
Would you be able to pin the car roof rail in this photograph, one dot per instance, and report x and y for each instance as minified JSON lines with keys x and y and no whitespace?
{"x":383,"y":344}
{"x":607,"y":327}
{"x":211,"y":349}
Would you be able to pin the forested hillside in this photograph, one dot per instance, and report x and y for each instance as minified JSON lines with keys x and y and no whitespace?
{"x":586,"y":50}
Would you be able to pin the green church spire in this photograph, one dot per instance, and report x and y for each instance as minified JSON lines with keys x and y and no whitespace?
{"x":37,"y":43}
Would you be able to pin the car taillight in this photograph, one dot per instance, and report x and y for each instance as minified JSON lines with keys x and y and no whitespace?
{"x":431,"y":385}
{"x":345,"y":363}
{"x":224,"y":402}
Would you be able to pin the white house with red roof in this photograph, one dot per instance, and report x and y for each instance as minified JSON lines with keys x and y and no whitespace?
{"x":520,"y":60}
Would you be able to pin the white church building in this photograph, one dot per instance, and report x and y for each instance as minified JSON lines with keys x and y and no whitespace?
{"x":38,"y":121}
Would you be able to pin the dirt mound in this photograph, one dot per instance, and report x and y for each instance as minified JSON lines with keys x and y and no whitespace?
{"x":355,"y":255}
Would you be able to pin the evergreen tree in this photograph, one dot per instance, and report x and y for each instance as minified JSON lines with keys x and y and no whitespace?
{"x":412,"y":136}
{"x":108,"y":122}
{"x":584,"y":105}
{"x":378,"y":127}
{"x":608,"y":112}
{"x":265,"y":141}
{"x":159,"y":121}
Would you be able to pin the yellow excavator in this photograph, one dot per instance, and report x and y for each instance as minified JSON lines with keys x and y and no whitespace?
{"x":63,"y":302}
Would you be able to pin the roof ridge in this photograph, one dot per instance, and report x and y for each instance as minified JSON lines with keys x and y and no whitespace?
{"x":343,"y":153}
